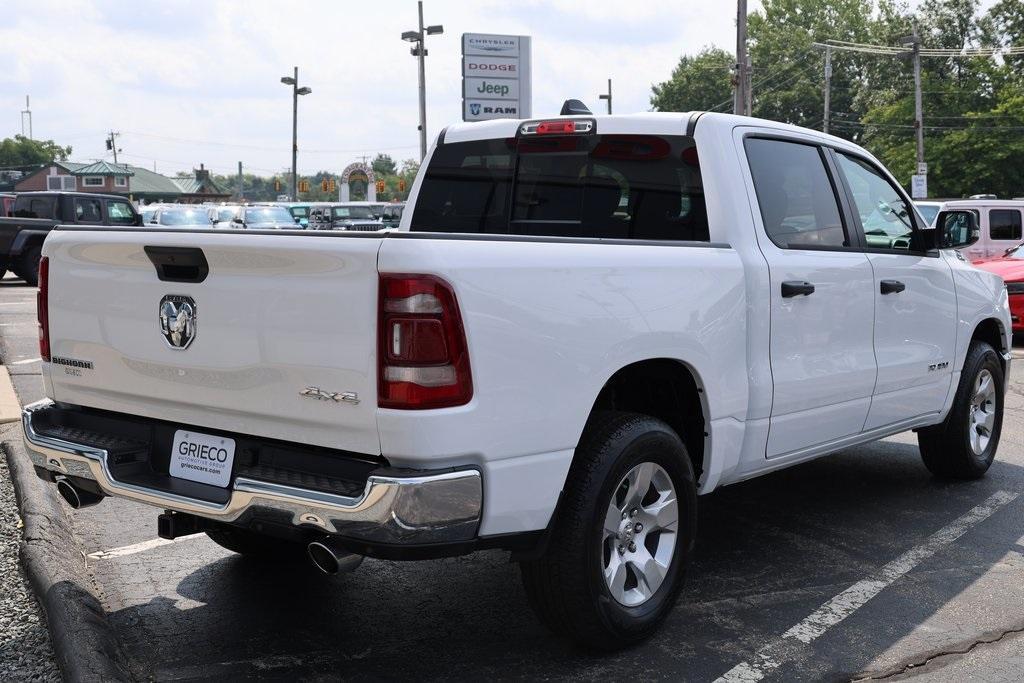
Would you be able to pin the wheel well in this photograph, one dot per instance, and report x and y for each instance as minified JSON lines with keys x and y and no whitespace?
{"x":665,"y":389}
{"x":991,"y":332}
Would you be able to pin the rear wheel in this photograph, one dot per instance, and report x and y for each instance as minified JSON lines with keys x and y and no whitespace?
{"x":28,"y":264}
{"x":964,"y":444}
{"x":620,"y":544}
{"x":255,"y":545}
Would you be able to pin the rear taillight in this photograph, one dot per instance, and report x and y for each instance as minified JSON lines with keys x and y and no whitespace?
{"x":423,"y":361}
{"x":42,"y":308}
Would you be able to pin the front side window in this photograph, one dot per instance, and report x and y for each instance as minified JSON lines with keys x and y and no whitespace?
{"x":884,"y":213}
{"x":120,"y":213}
{"x":643,"y":187}
{"x":1004,"y":224}
{"x":798,"y":204}
{"x":87,"y":211}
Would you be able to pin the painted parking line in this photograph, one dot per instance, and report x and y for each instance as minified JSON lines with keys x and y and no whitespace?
{"x":138,"y":547}
{"x":773,"y":655}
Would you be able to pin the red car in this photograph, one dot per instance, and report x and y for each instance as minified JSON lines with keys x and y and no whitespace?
{"x":1011,"y":268}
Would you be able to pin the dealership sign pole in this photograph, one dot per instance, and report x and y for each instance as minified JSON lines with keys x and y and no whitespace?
{"x":495,"y":77}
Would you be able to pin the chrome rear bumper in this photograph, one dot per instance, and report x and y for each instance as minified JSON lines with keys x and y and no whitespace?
{"x":396,"y":507}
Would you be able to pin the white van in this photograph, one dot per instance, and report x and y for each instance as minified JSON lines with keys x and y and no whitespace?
{"x":1001,"y":222}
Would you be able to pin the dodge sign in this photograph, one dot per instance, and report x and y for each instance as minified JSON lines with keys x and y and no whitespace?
{"x":495,"y":77}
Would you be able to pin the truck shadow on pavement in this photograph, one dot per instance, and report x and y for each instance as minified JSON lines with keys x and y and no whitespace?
{"x":769,"y":553}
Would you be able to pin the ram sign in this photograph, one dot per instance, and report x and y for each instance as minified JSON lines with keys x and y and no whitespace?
{"x":495,"y":77}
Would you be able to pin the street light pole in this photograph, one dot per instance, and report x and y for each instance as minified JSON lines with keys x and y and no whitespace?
{"x":420,"y":52}
{"x":423,"y":88}
{"x":296,"y":91}
{"x":608,"y":96}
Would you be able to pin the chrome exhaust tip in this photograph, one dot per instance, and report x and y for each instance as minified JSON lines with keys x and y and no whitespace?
{"x":76,"y":497}
{"x":330,"y":558}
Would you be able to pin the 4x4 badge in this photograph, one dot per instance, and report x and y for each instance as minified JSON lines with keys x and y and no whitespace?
{"x":178,"y":320}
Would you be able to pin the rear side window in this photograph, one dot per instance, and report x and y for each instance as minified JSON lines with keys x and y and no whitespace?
{"x":605,"y":186}
{"x":1004,"y":224}
{"x":34,"y":207}
{"x":798,"y":203}
{"x":87,"y":211}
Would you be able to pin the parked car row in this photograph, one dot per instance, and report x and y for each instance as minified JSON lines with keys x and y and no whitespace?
{"x":364,"y":216}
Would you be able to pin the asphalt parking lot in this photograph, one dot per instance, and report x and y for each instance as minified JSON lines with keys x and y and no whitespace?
{"x":860,"y":565}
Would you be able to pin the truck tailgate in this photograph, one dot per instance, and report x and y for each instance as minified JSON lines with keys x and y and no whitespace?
{"x":284,"y":324}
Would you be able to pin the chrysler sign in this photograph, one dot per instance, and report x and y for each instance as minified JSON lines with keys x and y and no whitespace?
{"x":495,"y":77}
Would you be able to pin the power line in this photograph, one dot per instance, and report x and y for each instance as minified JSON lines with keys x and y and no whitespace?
{"x":262,"y":148}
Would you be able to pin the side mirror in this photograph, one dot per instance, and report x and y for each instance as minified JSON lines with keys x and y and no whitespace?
{"x":139,"y":220}
{"x":955,"y":229}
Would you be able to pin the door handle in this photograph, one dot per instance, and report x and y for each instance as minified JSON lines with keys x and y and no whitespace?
{"x":892,"y":286}
{"x":791,"y":288}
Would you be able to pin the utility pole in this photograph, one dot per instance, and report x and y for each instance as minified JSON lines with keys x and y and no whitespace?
{"x":26,"y":113}
{"x":420,"y":52}
{"x":241,"y":196}
{"x":918,"y":118}
{"x":608,"y":96}
{"x":748,"y":90}
{"x":112,"y":144}
{"x":740,"y":102}
{"x":828,"y":89}
{"x":296,"y":91}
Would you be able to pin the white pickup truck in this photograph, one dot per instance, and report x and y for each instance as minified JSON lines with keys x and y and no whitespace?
{"x":582,"y":323}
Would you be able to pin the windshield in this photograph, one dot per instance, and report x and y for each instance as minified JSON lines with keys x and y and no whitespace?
{"x":268,"y":214}
{"x":928,"y":212}
{"x":341,"y":213}
{"x":183,"y":217}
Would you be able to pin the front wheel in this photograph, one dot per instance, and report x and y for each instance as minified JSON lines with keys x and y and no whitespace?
{"x":964,"y":444}
{"x":623,"y":536}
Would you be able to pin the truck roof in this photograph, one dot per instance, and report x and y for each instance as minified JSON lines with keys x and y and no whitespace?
{"x":654,"y":123}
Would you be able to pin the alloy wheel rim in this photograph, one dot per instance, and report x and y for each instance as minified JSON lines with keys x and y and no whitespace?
{"x":640,"y":534}
{"x":982,"y":412}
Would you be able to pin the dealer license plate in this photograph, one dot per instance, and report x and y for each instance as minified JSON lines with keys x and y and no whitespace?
{"x":202,"y":457}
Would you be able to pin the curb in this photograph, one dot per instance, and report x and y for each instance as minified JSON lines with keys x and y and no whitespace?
{"x":85,"y":644}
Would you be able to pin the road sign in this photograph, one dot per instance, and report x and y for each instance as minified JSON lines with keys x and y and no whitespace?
{"x":922,"y":168}
{"x":496,"y":79}
{"x":919,"y":186}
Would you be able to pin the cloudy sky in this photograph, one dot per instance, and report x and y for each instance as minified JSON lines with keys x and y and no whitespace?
{"x":189,"y":82}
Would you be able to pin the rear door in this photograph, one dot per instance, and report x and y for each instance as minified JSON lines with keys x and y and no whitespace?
{"x":915,"y":300}
{"x":274,"y":316}
{"x":822,"y":307}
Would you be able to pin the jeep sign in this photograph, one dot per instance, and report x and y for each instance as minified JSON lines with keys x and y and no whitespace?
{"x":495,"y":77}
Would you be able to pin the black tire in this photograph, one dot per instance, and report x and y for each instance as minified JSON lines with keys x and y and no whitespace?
{"x":257,"y":546}
{"x":566,"y":586}
{"x":947,"y":448}
{"x":28,"y":265}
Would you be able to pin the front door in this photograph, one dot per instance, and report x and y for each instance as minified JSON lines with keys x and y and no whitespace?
{"x":915,"y":301}
{"x":822,"y":308}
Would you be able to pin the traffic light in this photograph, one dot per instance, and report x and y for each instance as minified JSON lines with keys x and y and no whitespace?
{"x":303,"y":186}
{"x":401,"y":184}
{"x":380,"y":186}
{"x":277,"y":185}
{"x":331,"y":186}
{"x":324,"y":185}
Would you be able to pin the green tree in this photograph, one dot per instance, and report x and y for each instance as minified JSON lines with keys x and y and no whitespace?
{"x":384,"y":165}
{"x":21,"y":151}
{"x":700,"y":82}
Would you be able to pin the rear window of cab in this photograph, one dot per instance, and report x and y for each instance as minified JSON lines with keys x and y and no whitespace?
{"x":642,"y":187}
